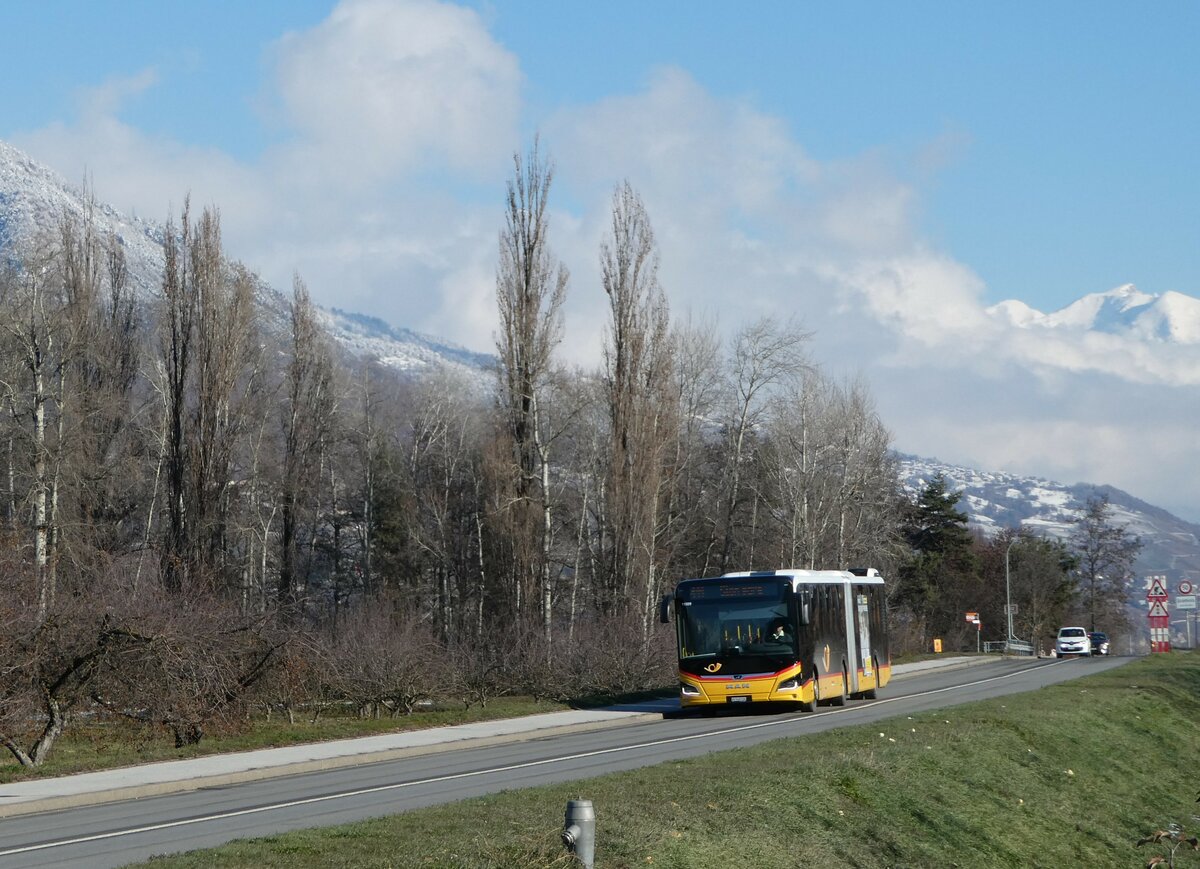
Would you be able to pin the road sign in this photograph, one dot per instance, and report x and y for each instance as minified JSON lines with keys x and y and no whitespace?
{"x":1160,"y":627}
{"x":1186,"y":587}
{"x":1158,"y":591}
{"x":973,"y":618}
{"x":1187,"y":602}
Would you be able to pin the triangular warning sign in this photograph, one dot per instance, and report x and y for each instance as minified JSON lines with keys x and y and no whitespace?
{"x":1158,"y":588}
{"x":1158,"y":609}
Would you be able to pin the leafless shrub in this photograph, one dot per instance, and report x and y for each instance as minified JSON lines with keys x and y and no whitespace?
{"x":605,"y":658}
{"x":386,"y":660}
{"x":198,"y":660}
{"x":300,"y":679}
{"x":537,"y":668}
{"x":609,"y":658}
{"x":50,"y":658}
{"x":479,"y":670}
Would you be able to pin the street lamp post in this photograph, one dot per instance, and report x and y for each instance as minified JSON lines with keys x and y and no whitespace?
{"x":1008,"y":589}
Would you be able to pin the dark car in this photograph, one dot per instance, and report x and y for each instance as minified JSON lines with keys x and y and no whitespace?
{"x":1099,"y":643}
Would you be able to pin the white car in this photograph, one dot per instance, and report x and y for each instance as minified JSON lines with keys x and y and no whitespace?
{"x":1073,"y":641}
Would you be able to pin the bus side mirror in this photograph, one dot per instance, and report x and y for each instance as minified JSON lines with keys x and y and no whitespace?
{"x":664,"y":609}
{"x":804,"y":613}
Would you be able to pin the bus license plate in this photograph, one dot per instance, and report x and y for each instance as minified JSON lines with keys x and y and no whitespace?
{"x":741,"y":699}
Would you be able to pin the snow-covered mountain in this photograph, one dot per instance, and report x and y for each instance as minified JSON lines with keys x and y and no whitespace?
{"x":994,"y":501}
{"x":33,"y":199}
{"x":1169,"y":317}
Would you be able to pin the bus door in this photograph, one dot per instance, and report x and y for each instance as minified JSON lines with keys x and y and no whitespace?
{"x":865,"y":665}
{"x":845,"y":594}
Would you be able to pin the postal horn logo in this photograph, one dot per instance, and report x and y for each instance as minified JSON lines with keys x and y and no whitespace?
{"x":713,"y":667}
{"x":827,"y":659}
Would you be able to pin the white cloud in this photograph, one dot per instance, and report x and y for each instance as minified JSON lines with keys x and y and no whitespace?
{"x":395,"y":110}
{"x":384,"y":87}
{"x":146,"y":176}
{"x":1124,"y":357}
{"x":106,"y":99}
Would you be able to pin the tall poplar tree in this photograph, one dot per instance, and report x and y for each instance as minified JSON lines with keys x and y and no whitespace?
{"x":1106,"y":552}
{"x":530,"y":288}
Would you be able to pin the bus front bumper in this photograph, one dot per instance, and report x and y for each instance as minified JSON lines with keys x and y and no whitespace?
{"x":777,"y":688}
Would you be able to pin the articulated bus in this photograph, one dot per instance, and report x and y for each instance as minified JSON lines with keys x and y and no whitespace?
{"x":802,"y":637}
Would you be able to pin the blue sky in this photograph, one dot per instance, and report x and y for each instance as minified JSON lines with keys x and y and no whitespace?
{"x":882,"y":173}
{"x":1054,"y":143}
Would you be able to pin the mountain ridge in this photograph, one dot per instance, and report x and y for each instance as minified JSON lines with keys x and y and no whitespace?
{"x":995,"y":500}
{"x":1170,"y":317}
{"x":32,"y":199}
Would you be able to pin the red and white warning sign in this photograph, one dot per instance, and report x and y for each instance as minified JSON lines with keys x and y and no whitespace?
{"x":1160,"y":623}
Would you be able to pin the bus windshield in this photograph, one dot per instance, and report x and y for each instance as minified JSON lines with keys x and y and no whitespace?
{"x":735,"y":619}
{"x":734,"y":628}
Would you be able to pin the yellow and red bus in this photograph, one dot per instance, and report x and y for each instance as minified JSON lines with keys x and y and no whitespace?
{"x":800,"y":637}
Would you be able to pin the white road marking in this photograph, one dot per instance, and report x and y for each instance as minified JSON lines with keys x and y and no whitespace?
{"x":133,"y":831}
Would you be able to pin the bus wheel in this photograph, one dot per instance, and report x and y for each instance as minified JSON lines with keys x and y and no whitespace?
{"x":840,"y":699}
{"x":873,"y":693}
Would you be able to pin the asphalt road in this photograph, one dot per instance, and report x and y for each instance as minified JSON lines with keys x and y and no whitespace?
{"x":116,"y":834}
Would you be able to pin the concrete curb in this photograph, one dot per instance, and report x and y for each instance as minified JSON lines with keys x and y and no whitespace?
{"x":260,"y":773}
{"x":901,"y":671}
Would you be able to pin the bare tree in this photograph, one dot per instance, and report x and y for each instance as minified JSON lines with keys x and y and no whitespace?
{"x":833,"y":481}
{"x":308,"y":420}
{"x":765,"y":354}
{"x":642,"y":414}
{"x":49,"y":662}
{"x":530,"y":288}
{"x":443,"y":471}
{"x":69,"y":359}
{"x":209,"y":369}
{"x":195,"y":660}
{"x":689,"y":541}
{"x":1106,"y":552}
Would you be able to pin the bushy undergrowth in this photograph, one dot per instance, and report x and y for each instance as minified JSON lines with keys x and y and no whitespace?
{"x":1071,"y":775}
{"x":182,"y":682}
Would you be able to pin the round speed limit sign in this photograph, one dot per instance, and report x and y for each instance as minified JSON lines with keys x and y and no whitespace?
{"x":1186,"y":587}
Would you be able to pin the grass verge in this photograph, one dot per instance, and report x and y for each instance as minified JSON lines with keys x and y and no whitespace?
{"x":1071,"y":775}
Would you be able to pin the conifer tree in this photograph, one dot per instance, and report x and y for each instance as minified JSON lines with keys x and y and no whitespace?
{"x":942,"y":576}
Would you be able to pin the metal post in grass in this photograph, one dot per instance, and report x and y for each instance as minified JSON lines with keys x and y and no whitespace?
{"x":579,"y":831}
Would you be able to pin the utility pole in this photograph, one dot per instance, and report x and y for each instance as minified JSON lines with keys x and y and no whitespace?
{"x":1008,"y":588}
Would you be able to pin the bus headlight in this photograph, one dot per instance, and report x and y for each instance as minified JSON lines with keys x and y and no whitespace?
{"x":688,"y":690}
{"x":789,"y":684}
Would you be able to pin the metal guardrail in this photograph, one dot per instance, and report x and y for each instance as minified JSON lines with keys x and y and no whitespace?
{"x":1009,"y":647}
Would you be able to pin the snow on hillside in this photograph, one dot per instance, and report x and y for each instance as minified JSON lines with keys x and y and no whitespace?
{"x":994,"y":501}
{"x":1169,"y":317}
{"x":33,"y":199}
{"x":400,"y":349}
